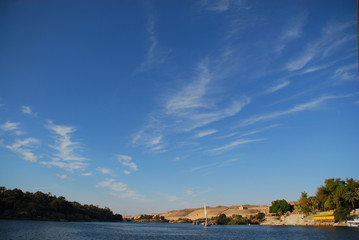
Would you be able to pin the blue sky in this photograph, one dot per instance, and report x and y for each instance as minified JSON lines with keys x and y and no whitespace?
{"x":150,"y":106}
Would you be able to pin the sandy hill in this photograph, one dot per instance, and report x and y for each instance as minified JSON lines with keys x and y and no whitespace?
{"x":196,"y":213}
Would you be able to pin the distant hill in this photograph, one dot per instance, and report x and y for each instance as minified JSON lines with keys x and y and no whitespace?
{"x":197,"y":213}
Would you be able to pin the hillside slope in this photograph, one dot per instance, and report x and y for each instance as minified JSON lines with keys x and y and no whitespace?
{"x":197,"y":213}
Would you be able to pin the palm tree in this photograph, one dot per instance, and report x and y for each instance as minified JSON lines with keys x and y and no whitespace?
{"x":351,"y":196}
{"x":313,"y":202}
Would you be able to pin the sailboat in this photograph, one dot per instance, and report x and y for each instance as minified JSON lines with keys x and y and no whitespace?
{"x":206,"y":224}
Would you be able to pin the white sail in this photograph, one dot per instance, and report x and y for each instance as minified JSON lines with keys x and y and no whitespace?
{"x":205,"y":215}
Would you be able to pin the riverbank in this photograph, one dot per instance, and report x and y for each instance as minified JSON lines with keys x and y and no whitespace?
{"x":298,"y":220}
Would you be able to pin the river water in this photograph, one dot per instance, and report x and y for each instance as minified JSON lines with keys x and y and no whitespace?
{"x":16,"y":229}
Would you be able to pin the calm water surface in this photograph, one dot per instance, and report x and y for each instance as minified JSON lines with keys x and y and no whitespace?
{"x":105,"y":230}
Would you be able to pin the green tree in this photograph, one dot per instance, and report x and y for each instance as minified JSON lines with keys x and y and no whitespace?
{"x":313,"y":203}
{"x":61,"y":205}
{"x":341,"y":214}
{"x":303,"y":204}
{"x":329,"y":203}
{"x":260,"y":216}
{"x":331,"y":195}
{"x":238,"y":220}
{"x":146,"y":217}
{"x":352,"y":184}
{"x":221,"y":219}
{"x":351,"y":196}
{"x":322,"y":196}
{"x":280,"y":207}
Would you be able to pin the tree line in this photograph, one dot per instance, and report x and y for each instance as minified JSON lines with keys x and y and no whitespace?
{"x":15,"y":204}
{"x":222,"y":219}
{"x":148,"y":218}
{"x":335,"y":195}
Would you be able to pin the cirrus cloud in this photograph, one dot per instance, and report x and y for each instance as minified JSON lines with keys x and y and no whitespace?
{"x":127,"y":162}
{"x":23,"y":147}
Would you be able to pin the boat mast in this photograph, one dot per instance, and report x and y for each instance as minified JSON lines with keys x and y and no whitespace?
{"x":205,"y":215}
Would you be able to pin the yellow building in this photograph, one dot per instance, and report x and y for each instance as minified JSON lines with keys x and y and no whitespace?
{"x":324,"y":217}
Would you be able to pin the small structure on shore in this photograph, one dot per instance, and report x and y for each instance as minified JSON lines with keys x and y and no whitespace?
{"x":324,"y":216}
{"x":243,"y":207}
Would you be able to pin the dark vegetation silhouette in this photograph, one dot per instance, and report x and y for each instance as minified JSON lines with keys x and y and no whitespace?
{"x":15,"y":204}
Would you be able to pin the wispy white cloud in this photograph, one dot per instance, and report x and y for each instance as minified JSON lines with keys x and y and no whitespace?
{"x":249,"y":133}
{"x":291,"y":32}
{"x":158,"y":148}
{"x":113,"y":185}
{"x":27,"y":110}
{"x":278,"y":87}
{"x":24,"y":148}
{"x":331,"y":40}
{"x":206,"y":133}
{"x":195,"y":104}
{"x":138,"y":137}
{"x":229,"y":135}
{"x":153,"y":41}
{"x":258,"y":130}
{"x":156,"y":141}
{"x":234,"y":144}
{"x":315,"y":68}
{"x":66,"y":155}
{"x":69,"y":166}
{"x":204,"y":118}
{"x":86,"y":174}
{"x":127,"y":162}
{"x":298,"y":108}
{"x":11,"y":127}
{"x":119,"y":189}
{"x":346,"y":73}
{"x":337,"y":45}
{"x":64,"y":146}
{"x":323,"y":66}
{"x":62,"y":176}
{"x":191,"y":96}
{"x":152,"y":142}
{"x":154,"y":56}
{"x":104,"y":171}
{"x":124,"y":158}
{"x":302,"y":60}
{"x":206,"y":166}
